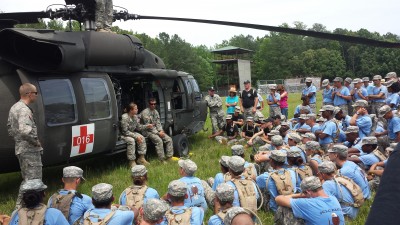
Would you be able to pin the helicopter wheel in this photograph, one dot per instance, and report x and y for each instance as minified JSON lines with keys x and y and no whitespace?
{"x":181,"y":145}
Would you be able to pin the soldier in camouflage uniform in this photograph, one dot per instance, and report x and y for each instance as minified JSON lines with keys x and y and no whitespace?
{"x":129,"y":123}
{"x":154,"y":131}
{"x":217,"y":115}
{"x":104,"y":15}
{"x":22,"y":127}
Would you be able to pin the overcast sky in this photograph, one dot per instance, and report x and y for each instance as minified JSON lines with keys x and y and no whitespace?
{"x":381,"y":16}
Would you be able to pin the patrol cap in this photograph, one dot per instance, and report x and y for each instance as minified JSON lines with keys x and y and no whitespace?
{"x":389,"y":149}
{"x":232,"y":212}
{"x":102,"y":192}
{"x":188,"y":166}
{"x":272,"y":86}
{"x":311,"y":183}
{"x":277,"y":140}
{"x":320,"y":119}
{"x":236,"y":164}
{"x":325,"y":83}
{"x":211,"y":89}
{"x":284,"y":123}
{"x":348,"y":80}
{"x":377,"y":77}
{"x":138,"y":171}
{"x":73,"y":171}
{"x":224,"y":160}
{"x":389,"y":83}
{"x":295,"y":137}
{"x":360,"y":103}
{"x":369,"y":141}
{"x":309,"y":135}
{"x":393,"y":145}
{"x":249,"y":119}
{"x":327,"y":167}
{"x":308,"y":80}
{"x":352,"y":129}
{"x":341,"y":149}
{"x":313,"y":145}
{"x":336,"y":110}
{"x":154,"y":209}
{"x":293,"y":153}
{"x":237,"y":150}
{"x":357,"y":80}
{"x":246,"y":82}
{"x":365,"y":79}
{"x":228,"y":117}
{"x":278,"y":155}
{"x":383,"y":110}
{"x":33,"y":185}
{"x":303,"y":107}
{"x":273,"y":133}
{"x":311,"y":115}
{"x":225,"y":192}
{"x":177,"y":188}
{"x":237,"y":108}
{"x":391,"y":75}
{"x":283,"y":117}
{"x":327,"y":108}
{"x":338,"y":79}
{"x":303,"y":116}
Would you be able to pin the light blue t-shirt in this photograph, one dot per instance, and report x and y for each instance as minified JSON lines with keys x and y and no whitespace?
{"x":194,"y":199}
{"x":368,"y":160}
{"x":364,"y":92}
{"x":393,"y":127}
{"x":150,"y":193}
{"x":78,"y":206}
{"x":354,"y":172}
{"x":378,"y":90}
{"x":307,"y":90}
{"x":316,"y":127}
{"x":274,"y":192}
{"x":215,"y":220}
{"x":119,"y":217}
{"x":317,"y":158}
{"x":303,"y":155}
{"x":369,"y":89}
{"x":301,"y":126}
{"x":196,"y":218}
{"x":329,"y":128}
{"x":297,"y":109}
{"x":393,"y":98}
{"x":327,"y":96}
{"x":236,"y":201}
{"x":343,"y":195}
{"x":344,"y":123}
{"x":51,"y":217}
{"x":339,"y":100}
{"x":364,"y":123}
{"x":277,"y":97}
{"x":219,"y":179}
{"x":230,"y":100}
{"x":317,"y":211}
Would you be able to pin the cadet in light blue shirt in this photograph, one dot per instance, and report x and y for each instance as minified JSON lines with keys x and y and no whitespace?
{"x":393,"y":123}
{"x":329,"y":129}
{"x":327,"y":93}
{"x":368,"y":145}
{"x":220,"y":178}
{"x":51,"y":217}
{"x":341,"y":94}
{"x":378,"y":90}
{"x":392,"y":98}
{"x":309,"y":90}
{"x":277,"y":97}
{"x":225,"y":196}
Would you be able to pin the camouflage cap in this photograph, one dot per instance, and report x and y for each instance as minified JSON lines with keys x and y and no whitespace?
{"x":177,"y":188}
{"x":273,"y":133}
{"x":303,"y":116}
{"x":294,"y":136}
{"x":309,"y":135}
{"x":237,"y":108}
{"x":188,"y":166}
{"x":393,"y":145}
{"x":277,"y":127}
{"x":283,"y":117}
{"x":225,"y":192}
{"x":369,"y":141}
{"x":293,"y":153}
{"x":377,"y":77}
{"x":277,"y":140}
{"x":311,"y":115}
{"x":272,"y":86}
{"x":313,"y":145}
{"x":232,"y":212}
{"x":320,"y":119}
{"x":389,"y":149}
{"x":365,"y":79}
{"x":211,"y":89}
{"x":284,"y":123}
{"x":352,"y":129}
{"x":391,"y":75}
{"x":342,"y":149}
{"x":236,"y":164}
{"x":327,"y":108}
{"x":138,"y":171}
{"x":224,"y":160}
{"x":249,"y":119}
{"x":228,"y":117}
{"x":278,"y":155}
{"x":33,"y":185}
{"x":357,"y":80}
{"x":339,"y":79}
{"x":154,"y":209}
{"x":237,"y":150}
{"x":348,"y":80}
{"x":311,"y":183}
{"x":325,"y":83}
{"x":360,"y":103}
{"x":73,"y":171}
{"x":383,"y":110}
{"x":389,"y":83}
{"x":102,"y":192}
{"x":336,"y":110}
{"x":304,"y":108}
{"x":327,"y":167}
{"x":308,"y":79}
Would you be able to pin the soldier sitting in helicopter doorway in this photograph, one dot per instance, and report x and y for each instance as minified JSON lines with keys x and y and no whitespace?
{"x":104,"y":15}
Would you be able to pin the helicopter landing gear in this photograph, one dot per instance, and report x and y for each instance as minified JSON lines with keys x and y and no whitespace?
{"x":181,"y":145}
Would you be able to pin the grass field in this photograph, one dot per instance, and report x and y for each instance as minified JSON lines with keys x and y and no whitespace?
{"x":114,"y":170}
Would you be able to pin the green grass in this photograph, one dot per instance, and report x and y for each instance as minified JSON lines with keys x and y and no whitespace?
{"x":114,"y":170}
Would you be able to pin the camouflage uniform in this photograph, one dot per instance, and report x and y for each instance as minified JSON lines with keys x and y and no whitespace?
{"x":152,"y":117}
{"x":22,"y":127}
{"x":284,"y":215}
{"x":128,"y":134}
{"x":104,"y":14}
{"x":217,"y":115}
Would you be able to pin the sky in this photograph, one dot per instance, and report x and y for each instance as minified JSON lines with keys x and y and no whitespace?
{"x":376,"y":16}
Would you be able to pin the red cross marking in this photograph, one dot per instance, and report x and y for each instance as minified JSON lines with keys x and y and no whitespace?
{"x":83,"y":139}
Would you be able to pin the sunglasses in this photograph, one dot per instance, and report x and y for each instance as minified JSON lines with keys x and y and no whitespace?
{"x":153,"y":103}
{"x":32,"y":92}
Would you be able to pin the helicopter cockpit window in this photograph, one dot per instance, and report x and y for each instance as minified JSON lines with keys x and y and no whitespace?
{"x":59,"y":101}
{"x":97,"y":98}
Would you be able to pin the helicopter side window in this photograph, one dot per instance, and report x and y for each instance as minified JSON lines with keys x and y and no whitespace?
{"x":97,"y":96}
{"x":59,"y":101}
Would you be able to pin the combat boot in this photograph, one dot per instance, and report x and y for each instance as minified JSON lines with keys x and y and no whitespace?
{"x":142,"y":161}
{"x":132,"y":163}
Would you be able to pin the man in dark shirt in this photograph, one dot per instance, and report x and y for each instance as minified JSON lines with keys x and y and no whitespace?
{"x":248,"y":100}
{"x":231,"y":130}
{"x":238,"y":118}
{"x":249,"y":129}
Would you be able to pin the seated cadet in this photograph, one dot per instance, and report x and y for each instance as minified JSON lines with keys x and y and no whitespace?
{"x":338,"y":155}
{"x":392,"y":99}
{"x":138,"y":193}
{"x":239,"y":216}
{"x":313,"y":204}
{"x":314,"y":155}
{"x":250,"y":170}
{"x":279,"y":181}
{"x":303,"y":108}
{"x":344,"y":120}
{"x":348,"y":193}
{"x":179,"y":213}
{"x":393,"y":121}
{"x":33,"y":211}
{"x":269,"y":146}
{"x":320,"y":121}
{"x":293,"y":141}
{"x":263,"y":155}
{"x":153,"y":212}
{"x":329,"y":131}
{"x":372,"y":155}
{"x":260,"y":138}
{"x":249,"y":129}
{"x":297,"y":164}
{"x":195,"y":190}
{"x":102,"y":197}
{"x":361,"y":119}
{"x":353,"y":142}
{"x":246,"y":193}
{"x":68,"y":200}
{"x":224,"y":175}
{"x":376,"y":171}
{"x":307,"y":137}
{"x":238,"y":118}
{"x":224,"y":196}
{"x":301,"y":126}
{"x":231,"y":130}
{"x":311,"y":122}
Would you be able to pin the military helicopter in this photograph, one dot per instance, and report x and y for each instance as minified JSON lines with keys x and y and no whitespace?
{"x":85,"y":78}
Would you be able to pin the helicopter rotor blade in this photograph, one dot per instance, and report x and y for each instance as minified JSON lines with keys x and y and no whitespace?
{"x":24,"y":17}
{"x":309,"y":33}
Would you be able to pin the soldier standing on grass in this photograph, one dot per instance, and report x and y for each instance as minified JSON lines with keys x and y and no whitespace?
{"x":248,"y":100}
{"x":310,"y":91}
{"x":214,"y":103}
{"x":22,"y":127}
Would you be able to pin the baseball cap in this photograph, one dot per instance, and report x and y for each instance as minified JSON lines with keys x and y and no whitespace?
{"x":237,"y":108}
{"x":389,"y":83}
{"x":272,"y":86}
{"x":277,"y":140}
{"x":293,"y":153}
{"x":211,"y":89}
{"x":188,"y":166}
{"x":273,"y":133}
{"x":228,"y":117}
{"x":73,"y":171}
{"x":249,"y":119}
{"x":246,"y":82}
{"x":309,"y":135}
{"x":313,"y":145}
{"x":295,"y":137}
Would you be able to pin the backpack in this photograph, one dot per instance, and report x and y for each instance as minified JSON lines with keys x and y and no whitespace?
{"x":248,"y":171}
{"x":222,"y":214}
{"x":303,"y":173}
{"x":354,"y":189}
{"x":227,"y":177}
{"x":283,"y":182}
{"x":179,"y":219}
{"x":135,"y":196}
{"x":87,"y":221}
{"x":379,"y":155}
{"x":32,"y":216}
{"x":247,"y":195}
{"x":63,"y":202}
